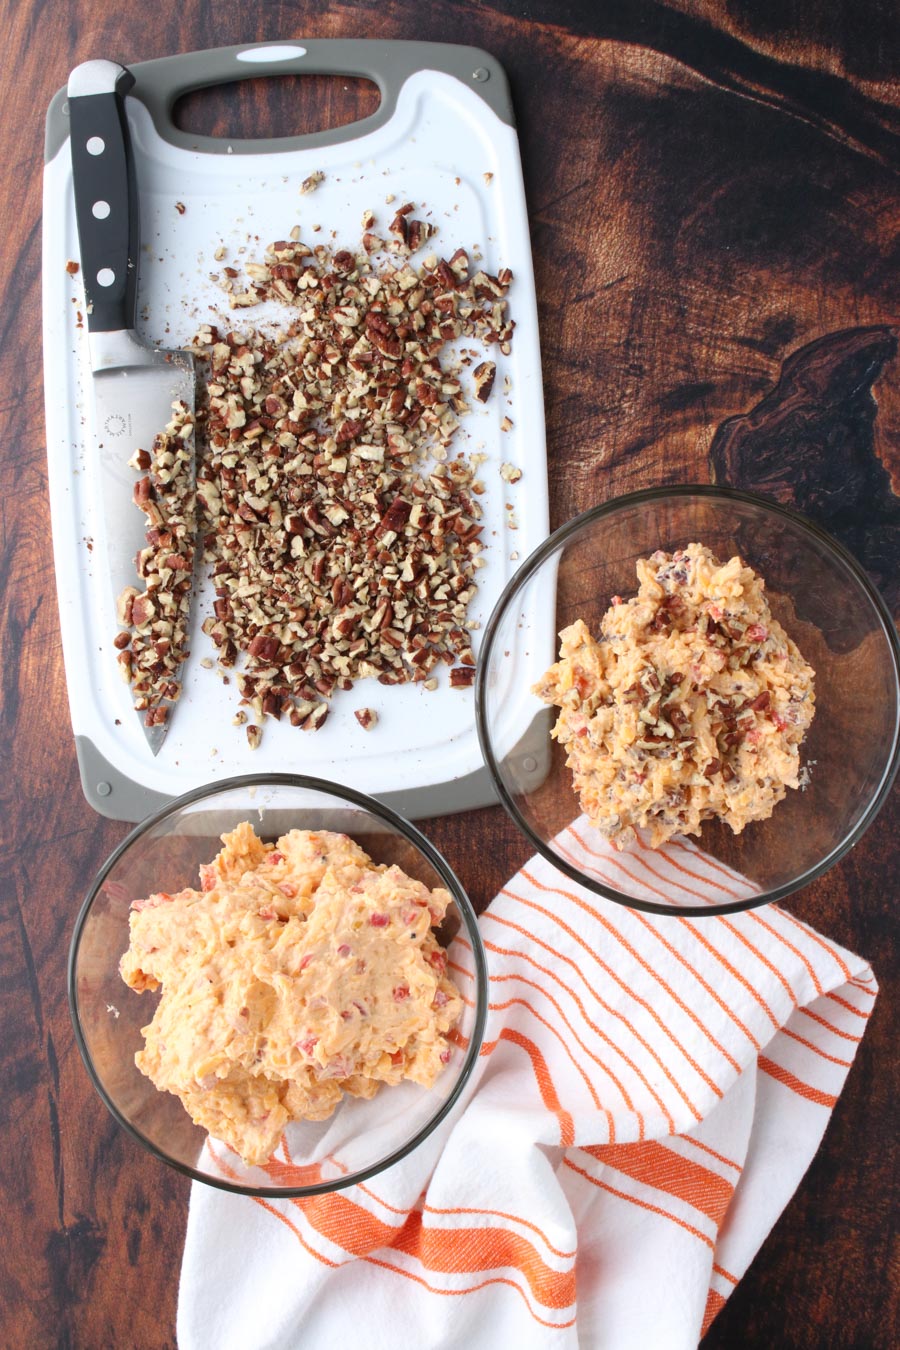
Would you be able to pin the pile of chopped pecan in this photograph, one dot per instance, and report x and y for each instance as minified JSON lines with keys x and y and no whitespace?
{"x":153,"y":643}
{"x":342,"y":537}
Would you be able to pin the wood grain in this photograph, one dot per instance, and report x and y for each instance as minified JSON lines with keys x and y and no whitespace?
{"x":711,"y":188}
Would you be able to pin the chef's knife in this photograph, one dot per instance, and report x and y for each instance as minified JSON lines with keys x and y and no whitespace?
{"x":134,"y":384}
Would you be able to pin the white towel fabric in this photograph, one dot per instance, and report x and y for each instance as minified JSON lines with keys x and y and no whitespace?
{"x":649,"y":1094}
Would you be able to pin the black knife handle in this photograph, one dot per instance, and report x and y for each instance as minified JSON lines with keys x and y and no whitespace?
{"x":106,"y":207}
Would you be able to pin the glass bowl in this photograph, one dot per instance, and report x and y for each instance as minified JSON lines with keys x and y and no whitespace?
{"x":821,"y":597}
{"x":164,"y":853}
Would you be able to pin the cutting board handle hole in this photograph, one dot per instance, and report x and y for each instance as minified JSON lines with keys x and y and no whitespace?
{"x":277,"y":105}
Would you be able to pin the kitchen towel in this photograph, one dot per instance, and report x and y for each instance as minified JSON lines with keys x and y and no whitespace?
{"x":648,"y":1096}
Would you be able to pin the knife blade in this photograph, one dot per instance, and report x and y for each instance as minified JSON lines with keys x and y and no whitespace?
{"x":134,"y":384}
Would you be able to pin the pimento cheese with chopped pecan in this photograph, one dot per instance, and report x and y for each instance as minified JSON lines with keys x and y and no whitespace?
{"x":691,"y":704}
{"x":298,"y":972}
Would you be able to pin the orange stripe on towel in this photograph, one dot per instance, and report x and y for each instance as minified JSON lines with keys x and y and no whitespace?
{"x":824,"y":1022}
{"x":796,"y":1084}
{"x":543,"y":1078}
{"x":720,"y":1157}
{"x":844,"y":1063}
{"x":656,"y":1166}
{"x":513,"y":1218}
{"x":448,"y":1251}
{"x":851,"y":1007}
{"x":714,"y":1304}
{"x":470,"y":1289}
{"x":642,"y":1204}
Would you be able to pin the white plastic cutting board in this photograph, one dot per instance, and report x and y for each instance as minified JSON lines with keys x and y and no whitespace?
{"x":442,"y":148}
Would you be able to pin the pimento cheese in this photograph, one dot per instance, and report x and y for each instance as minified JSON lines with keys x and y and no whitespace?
{"x":298,"y":972}
{"x":691,"y":704}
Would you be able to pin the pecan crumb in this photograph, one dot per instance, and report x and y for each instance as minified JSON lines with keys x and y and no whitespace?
{"x":254,"y":735}
{"x":72,"y":267}
{"x":180,"y":208}
{"x":366,"y":717}
{"x":312,"y":182}
{"x":509,"y":473}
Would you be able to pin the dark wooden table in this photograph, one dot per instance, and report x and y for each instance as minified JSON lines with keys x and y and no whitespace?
{"x":707,"y":194}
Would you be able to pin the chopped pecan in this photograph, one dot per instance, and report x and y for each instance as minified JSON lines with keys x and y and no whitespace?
{"x":484,"y":380}
{"x":335,"y":554}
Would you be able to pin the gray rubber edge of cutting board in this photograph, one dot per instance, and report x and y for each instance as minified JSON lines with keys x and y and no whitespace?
{"x":113,"y":795}
{"x":160,"y":83}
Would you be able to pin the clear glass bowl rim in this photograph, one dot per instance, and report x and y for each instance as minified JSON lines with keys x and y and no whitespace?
{"x":553,"y":544}
{"x":448,"y":878}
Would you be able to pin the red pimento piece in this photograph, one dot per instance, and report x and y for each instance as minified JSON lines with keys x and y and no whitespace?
{"x":152,"y":901}
{"x":307,"y":1044}
{"x":267,"y":912}
{"x":779,"y":721}
{"x":401,"y":991}
{"x":438,"y":960}
{"x":379,"y":920}
{"x":440,"y":999}
{"x":306,"y":960}
{"x":274,"y":857}
{"x":756,"y":633}
{"x":397,"y":1057}
{"x":343,"y":950}
{"x":445,"y":1056}
{"x":207,"y":876}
